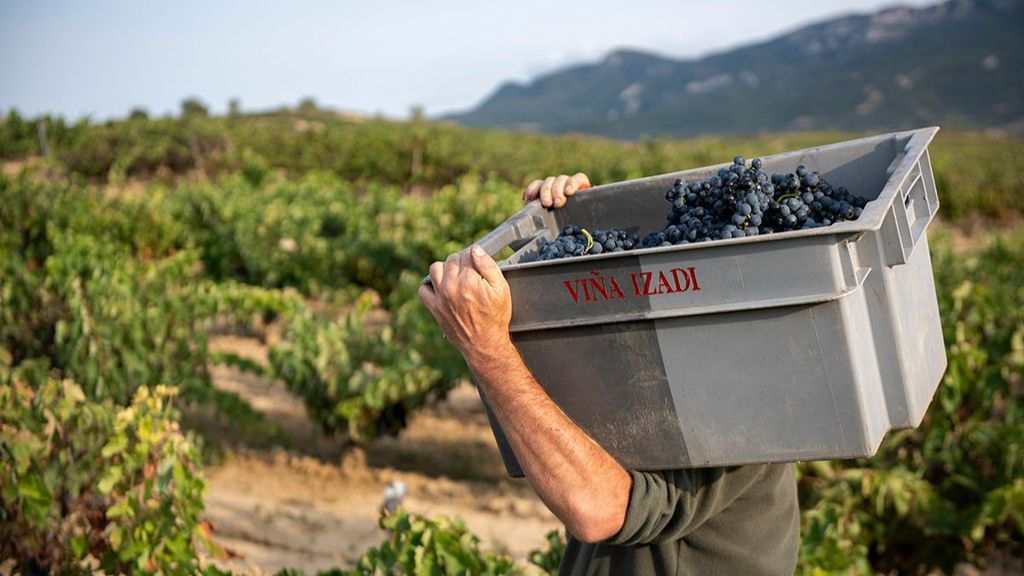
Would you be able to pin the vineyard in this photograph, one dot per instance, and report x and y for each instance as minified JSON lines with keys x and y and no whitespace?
{"x":134,"y":242}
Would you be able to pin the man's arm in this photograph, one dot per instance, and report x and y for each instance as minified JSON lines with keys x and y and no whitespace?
{"x":581,"y":483}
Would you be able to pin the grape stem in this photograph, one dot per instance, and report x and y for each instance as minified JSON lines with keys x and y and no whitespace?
{"x":590,"y":240}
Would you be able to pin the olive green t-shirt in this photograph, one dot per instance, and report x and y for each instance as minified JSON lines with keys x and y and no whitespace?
{"x":730,"y":521}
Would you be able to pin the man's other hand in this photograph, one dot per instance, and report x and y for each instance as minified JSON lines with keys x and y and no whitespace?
{"x":554,"y":190}
{"x":470,"y":300}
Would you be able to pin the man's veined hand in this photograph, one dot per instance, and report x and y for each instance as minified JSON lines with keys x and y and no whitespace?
{"x":553,"y":191}
{"x":468,"y":294}
{"x":470,"y":300}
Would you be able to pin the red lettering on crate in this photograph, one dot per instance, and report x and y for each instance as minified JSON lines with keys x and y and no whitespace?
{"x":664,"y":284}
{"x":597,"y":286}
{"x":689,"y":278}
{"x":682,"y":280}
{"x":636,"y":284}
{"x":575,"y":292}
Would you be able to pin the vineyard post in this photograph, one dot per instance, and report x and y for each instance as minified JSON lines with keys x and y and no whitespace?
{"x":419,"y":141}
{"x":44,"y":147}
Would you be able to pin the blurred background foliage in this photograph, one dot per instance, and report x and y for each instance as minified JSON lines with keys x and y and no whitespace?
{"x":132,"y":239}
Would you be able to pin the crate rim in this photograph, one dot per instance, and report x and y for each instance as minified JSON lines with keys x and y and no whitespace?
{"x":870,"y":220}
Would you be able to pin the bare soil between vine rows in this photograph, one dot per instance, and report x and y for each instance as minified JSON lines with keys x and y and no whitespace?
{"x":305,"y":501}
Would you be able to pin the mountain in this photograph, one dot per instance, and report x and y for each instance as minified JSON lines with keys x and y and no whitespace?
{"x":957,"y":64}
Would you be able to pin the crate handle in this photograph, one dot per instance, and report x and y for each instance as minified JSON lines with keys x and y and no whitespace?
{"x":517,"y":231}
{"x":911,"y":212}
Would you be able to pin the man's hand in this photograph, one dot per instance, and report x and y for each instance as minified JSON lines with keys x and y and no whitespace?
{"x":554,"y":190}
{"x":470,"y":300}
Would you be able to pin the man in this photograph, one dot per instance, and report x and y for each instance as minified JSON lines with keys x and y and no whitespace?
{"x":736,"y":521}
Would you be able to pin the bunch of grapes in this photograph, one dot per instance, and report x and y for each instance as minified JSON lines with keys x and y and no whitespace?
{"x":739,"y":201}
{"x":577,"y":241}
{"x":744,"y":201}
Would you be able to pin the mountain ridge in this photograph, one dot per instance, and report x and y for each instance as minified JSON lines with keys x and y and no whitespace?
{"x":956,"y":63}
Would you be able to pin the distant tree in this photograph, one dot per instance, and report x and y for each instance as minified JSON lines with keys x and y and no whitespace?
{"x":193,"y":107}
{"x":308,"y":104}
{"x":234,"y":107}
{"x":14,"y":118}
{"x":417,"y":113}
{"x":17,"y":135}
{"x":138,"y":113}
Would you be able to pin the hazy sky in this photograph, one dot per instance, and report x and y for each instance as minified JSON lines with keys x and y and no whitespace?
{"x":101,"y":58}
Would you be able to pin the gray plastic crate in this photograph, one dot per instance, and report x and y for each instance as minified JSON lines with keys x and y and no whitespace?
{"x":792,"y":346}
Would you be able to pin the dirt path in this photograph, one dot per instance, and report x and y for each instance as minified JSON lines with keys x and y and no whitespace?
{"x":315,"y":506}
{"x":11,"y":167}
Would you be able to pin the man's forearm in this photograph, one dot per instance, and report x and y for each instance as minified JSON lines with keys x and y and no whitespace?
{"x":576,"y":478}
{"x":583,"y":485}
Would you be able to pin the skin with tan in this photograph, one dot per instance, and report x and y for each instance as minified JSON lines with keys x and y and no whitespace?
{"x":553,"y":191}
{"x":581,"y":483}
